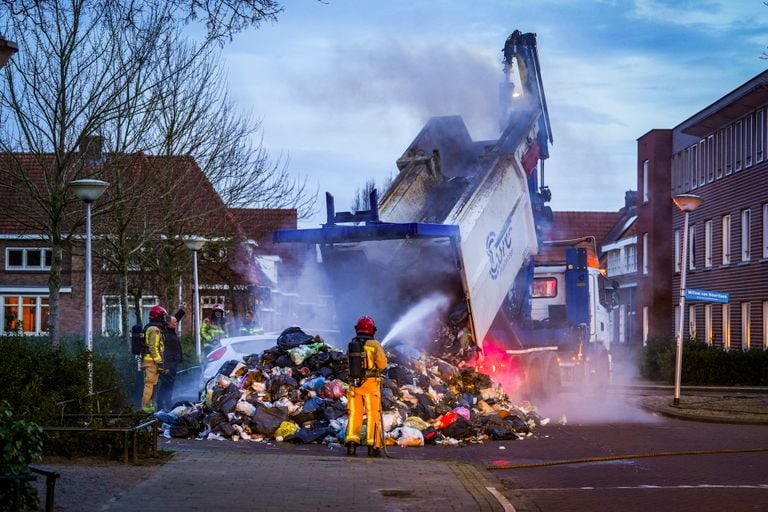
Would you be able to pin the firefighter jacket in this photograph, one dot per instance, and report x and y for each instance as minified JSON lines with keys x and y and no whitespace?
{"x":155,"y":341}
{"x":374,"y":359}
{"x":211,"y":332}
{"x":247,"y":328}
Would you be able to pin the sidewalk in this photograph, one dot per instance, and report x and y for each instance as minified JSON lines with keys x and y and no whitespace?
{"x":323,"y":483}
{"x":747,"y":406}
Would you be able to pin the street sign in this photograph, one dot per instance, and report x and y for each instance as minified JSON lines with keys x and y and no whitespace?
{"x":706,"y":295}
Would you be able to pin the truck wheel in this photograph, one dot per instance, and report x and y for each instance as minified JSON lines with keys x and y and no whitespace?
{"x":552,"y":383}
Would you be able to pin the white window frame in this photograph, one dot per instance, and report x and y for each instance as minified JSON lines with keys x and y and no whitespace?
{"x":692,"y":333}
{"x":746,"y":239}
{"x":708,"y":324}
{"x":692,"y":247}
{"x":39,"y":309}
{"x":765,"y":230}
{"x":738,"y":145}
{"x":726,"y":226}
{"x":24,"y":258}
{"x":759,"y":136}
{"x":702,"y":162}
{"x":749,"y":123}
{"x":630,"y":258}
{"x":708,"y":243}
{"x":720,"y":155}
{"x":678,"y":246}
{"x":646,"y":252}
{"x":729,"y":152}
{"x":765,"y":324}
{"x":113,"y":301}
{"x":645,"y":181}
{"x":726,"y":309}
{"x":646,"y":326}
{"x":746,"y":328}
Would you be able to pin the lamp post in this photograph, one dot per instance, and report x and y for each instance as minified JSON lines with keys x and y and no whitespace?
{"x":195,"y":244}
{"x":7,"y":49}
{"x":88,"y":191}
{"x":686,"y":203}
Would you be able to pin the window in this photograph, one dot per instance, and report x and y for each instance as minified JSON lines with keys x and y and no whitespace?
{"x":630,"y":256}
{"x":694,"y":165}
{"x":111,"y":313}
{"x":614,"y":262}
{"x":544,"y":287}
{"x":646,"y":252}
{"x":710,"y":158}
{"x":692,"y":248}
{"x":708,"y":324}
{"x":745,"y":238}
{"x":728,"y":142}
{"x":765,"y":324}
{"x":28,"y":258}
{"x":708,"y":244}
{"x":759,"y":136}
{"x":765,"y":230}
{"x":24,"y":314}
{"x":702,"y":161}
{"x":726,"y":239}
{"x":645,"y":181}
{"x":746,"y":334}
{"x":738,"y":146}
{"x":207,"y":303}
{"x":677,"y":250}
{"x":727,"y":326}
{"x":692,"y":321}
{"x":749,"y":124}
{"x":719,"y":155}
{"x":645,"y":325}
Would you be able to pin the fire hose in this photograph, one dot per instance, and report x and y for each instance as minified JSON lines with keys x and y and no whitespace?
{"x":624,"y":457}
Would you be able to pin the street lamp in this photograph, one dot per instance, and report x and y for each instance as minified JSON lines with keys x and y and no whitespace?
{"x":194,"y":244}
{"x":88,"y":191}
{"x":7,"y":49}
{"x":686,"y":203}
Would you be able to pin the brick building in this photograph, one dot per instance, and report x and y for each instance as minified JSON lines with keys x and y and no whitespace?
{"x":718,"y":154}
{"x":240,"y":268}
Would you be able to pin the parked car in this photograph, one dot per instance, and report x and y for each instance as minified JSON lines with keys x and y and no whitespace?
{"x":238,"y":347}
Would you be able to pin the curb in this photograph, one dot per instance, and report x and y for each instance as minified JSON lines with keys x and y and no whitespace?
{"x":670,"y":412}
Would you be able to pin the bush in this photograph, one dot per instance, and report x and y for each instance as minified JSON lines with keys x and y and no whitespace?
{"x":21,"y":443}
{"x":703,"y":364}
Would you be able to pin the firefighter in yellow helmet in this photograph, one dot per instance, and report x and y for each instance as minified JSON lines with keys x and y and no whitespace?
{"x":366,"y":360}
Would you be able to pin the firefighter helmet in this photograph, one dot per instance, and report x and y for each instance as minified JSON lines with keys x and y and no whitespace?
{"x":218,"y":307}
{"x":157,"y":313}
{"x":365,"y":325}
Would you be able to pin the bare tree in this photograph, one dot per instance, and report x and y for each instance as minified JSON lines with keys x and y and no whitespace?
{"x":362,"y":199}
{"x":76,"y":73}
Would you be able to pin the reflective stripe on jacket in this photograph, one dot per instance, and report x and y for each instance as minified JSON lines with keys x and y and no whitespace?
{"x":153,"y":337}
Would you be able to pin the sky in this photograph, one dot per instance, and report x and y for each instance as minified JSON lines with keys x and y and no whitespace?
{"x":342,"y":87}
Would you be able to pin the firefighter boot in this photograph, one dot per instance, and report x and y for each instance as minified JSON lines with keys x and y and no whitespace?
{"x":351,"y":449}
{"x":374,"y":452}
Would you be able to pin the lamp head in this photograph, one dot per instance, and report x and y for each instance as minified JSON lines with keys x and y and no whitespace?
{"x":88,"y":190}
{"x":687,"y":202}
{"x":194,"y":243}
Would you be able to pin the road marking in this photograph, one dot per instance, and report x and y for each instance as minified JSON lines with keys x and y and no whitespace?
{"x":506,"y":505}
{"x":635,"y":487}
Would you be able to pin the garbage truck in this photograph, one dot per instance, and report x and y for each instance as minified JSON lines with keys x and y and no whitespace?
{"x":446,"y":260}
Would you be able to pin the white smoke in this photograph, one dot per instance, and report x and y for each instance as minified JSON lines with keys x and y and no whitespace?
{"x":420,"y":319}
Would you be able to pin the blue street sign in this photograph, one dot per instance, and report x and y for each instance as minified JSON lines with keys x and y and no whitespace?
{"x":706,"y":295}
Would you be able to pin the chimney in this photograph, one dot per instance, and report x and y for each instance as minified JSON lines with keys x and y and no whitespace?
{"x":630,"y":199}
{"x":91,"y":148}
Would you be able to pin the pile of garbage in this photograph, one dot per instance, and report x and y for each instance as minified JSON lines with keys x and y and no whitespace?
{"x":296,"y":391}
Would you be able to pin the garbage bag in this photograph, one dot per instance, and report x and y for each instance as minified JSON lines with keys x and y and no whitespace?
{"x":310,"y":435}
{"x":407,"y":436}
{"x":463,"y":412}
{"x":293,"y":337}
{"x":415,"y":422}
{"x":446,"y":420}
{"x":333,"y":389}
{"x":459,"y":429}
{"x":392,"y":419}
{"x":180,"y":431}
{"x":334,"y":409}
{"x":286,"y":428}
{"x":280,"y":386}
{"x":500,"y":433}
{"x":400,"y":374}
{"x":245,"y":408}
{"x":302,"y":352}
{"x":266,"y":420}
{"x":314,"y":384}
{"x":425,"y":408}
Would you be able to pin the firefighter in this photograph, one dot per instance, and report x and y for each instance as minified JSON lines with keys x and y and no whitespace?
{"x":365,"y":389}
{"x":152,"y":363}
{"x":249,"y":325}
{"x":214,"y":327}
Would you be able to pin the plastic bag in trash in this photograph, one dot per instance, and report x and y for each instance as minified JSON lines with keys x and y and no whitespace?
{"x":293,"y":337}
{"x":407,"y":436}
{"x":415,"y":422}
{"x":445,"y":420}
{"x":392,"y":419}
{"x":245,"y":408}
{"x":286,"y":428}
{"x":267,"y":419}
{"x":463,"y":412}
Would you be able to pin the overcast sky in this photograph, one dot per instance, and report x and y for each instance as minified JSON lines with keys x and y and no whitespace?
{"x":343,"y":87}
